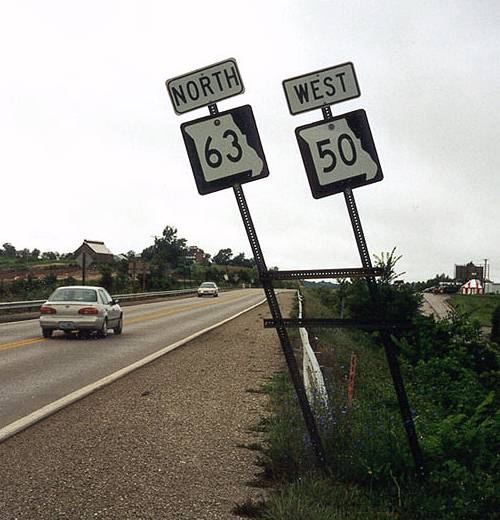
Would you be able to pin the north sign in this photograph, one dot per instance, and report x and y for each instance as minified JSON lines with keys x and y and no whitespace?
{"x":205,"y":86}
{"x":339,"y":153}
{"x":224,"y":149}
{"x":321,"y":88}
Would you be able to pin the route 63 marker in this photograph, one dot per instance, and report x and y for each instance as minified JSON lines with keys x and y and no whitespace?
{"x":339,"y":153}
{"x":224,"y":149}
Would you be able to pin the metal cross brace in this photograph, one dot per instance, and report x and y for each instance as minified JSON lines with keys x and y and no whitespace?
{"x":328,"y":323}
{"x":348,"y":272}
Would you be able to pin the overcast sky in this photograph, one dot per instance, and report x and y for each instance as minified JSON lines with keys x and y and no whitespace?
{"x":90,"y":146}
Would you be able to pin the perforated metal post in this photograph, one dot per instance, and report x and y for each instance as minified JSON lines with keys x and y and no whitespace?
{"x":280,"y":328}
{"x":276,"y":314}
{"x":390,"y":350}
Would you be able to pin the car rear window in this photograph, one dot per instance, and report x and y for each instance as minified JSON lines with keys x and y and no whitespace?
{"x":73,"y":295}
{"x":208,"y":284}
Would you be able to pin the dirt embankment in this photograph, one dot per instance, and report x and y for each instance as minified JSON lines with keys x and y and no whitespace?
{"x":39,"y":271}
{"x":165,"y":442}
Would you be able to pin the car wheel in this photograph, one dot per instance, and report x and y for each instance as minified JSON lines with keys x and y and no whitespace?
{"x":119,"y":328}
{"x":103,"y":332}
{"x":47,"y":333}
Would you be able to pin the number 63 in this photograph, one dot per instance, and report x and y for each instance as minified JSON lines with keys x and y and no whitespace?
{"x":213,"y":157}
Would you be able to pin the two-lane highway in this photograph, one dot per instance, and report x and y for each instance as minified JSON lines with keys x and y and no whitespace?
{"x":35,"y":372}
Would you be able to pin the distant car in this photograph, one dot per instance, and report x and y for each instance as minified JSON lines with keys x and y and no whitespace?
{"x":208,"y":289}
{"x":82,"y":309}
{"x":449,"y":289}
{"x":429,"y":289}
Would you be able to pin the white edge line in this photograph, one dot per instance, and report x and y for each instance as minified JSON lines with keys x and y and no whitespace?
{"x":23,"y":423}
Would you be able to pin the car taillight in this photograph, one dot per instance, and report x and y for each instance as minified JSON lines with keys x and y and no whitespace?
{"x":47,"y":310}
{"x":88,"y":311}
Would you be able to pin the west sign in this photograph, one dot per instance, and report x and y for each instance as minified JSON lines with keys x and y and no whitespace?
{"x":321,"y":88}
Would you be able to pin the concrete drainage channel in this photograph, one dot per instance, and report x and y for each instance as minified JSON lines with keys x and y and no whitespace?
{"x":42,"y":413}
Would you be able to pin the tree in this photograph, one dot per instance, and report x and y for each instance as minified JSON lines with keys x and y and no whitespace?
{"x":25,"y":253}
{"x":206,"y":260}
{"x":35,"y":254}
{"x":106,"y":280}
{"x":10,"y":250}
{"x":399,"y":303}
{"x":387,"y":262}
{"x":164,"y":255}
{"x":241,"y":261}
{"x":50,"y":255}
{"x":223,"y":257}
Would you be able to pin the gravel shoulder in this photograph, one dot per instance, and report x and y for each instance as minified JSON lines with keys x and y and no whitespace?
{"x":165,"y":442}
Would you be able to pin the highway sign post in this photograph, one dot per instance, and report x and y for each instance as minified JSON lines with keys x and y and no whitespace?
{"x":225,"y":151}
{"x":84,"y":261}
{"x":339,"y":155}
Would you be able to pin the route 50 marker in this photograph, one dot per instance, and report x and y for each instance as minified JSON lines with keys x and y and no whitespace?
{"x":224,"y":149}
{"x":338,"y":154}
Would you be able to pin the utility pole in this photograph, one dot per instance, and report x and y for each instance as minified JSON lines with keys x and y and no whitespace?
{"x":84,"y":266}
{"x":485,"y":275}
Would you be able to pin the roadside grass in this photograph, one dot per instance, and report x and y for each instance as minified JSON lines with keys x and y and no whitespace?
{"x":370,"y":471}
{"x":476,"y":306}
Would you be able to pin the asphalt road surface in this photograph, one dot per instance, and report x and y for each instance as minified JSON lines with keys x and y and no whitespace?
{"x":35,"y":372}
{"x":435,"y":304}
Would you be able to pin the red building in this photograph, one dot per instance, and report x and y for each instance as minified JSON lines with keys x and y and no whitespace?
{"x":464,"y":273}
{"x":195,"y":254}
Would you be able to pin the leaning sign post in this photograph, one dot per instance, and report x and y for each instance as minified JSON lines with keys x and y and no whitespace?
{"x":338,"y":155}
{"x":225,"y":151}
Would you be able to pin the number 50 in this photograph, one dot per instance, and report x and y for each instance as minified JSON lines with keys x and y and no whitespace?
{"x":348,"y":156}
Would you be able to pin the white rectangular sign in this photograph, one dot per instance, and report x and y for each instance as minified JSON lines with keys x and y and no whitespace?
{"x":321,"y":88}
{"x":205,"y":86}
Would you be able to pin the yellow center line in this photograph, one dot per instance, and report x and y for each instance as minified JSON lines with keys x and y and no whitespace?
{"x":177,"y":310}
{"x":20,"y":343}
{"x":146,"y":317}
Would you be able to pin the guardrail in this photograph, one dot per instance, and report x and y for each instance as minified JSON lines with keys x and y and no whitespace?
{"x":314,"y":382}
{"x":26,"y":306}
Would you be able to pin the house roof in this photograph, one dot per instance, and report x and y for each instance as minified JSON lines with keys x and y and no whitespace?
{"x":97,"y":248}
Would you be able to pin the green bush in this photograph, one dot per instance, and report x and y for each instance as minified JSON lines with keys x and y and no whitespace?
{"x":451,"y":376}
{"x":495,"y":325}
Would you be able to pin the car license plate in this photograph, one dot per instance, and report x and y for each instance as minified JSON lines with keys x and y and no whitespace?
{"x":66,"y":325}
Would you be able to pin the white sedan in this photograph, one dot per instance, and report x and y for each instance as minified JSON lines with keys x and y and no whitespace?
{"x":82,"y":309}
{"x":208,"y":289}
